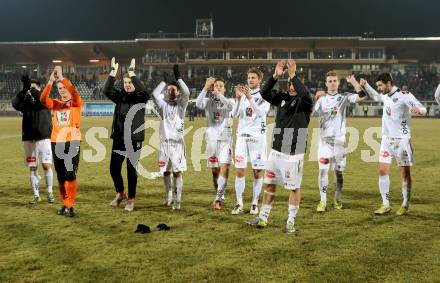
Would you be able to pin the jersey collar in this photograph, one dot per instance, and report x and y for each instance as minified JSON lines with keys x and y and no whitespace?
{"x":393,"y":91}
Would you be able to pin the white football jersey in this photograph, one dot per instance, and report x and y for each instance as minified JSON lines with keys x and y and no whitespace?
{"x":332,"y":108}
{"x":252,"y":115}
{"x":218,"y":113}
{"x":172,"y":113}
{"x":396,"y":117}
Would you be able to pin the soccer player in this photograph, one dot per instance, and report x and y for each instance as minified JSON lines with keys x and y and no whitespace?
{"x":396,"y":137}
{"x":65,"y":137}
{"x":36,"y":131}
{"x":251,"y":110}
{"x":133,"y":94}
{"x":332,"y":107}
{"x":437,"y":94}
{"x":286,"y":159}
{"x":218,"y":135}
{"x":172,"y":157}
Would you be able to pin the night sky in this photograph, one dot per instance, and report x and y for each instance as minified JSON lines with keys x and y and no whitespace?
{"x":31,"y":20}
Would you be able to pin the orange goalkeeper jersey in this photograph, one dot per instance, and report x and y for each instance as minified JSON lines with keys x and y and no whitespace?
{"x":66,"y":115}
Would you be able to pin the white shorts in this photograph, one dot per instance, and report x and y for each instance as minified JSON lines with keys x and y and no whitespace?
{"x":219,"y":152}
{"x":397,"y":148}
{"x":36,"y":152}
{"x":172,"y":157}
{"x":331,"y":151}
{"x":249,"y":149}
{"x":284,"y":169}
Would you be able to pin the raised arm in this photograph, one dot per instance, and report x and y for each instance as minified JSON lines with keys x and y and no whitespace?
{"x":44,"y":97}
{"x":303,"y":93}
{"x":184,"y":90}
{"x":109,"y":87}
{"x":141,"y":94}
{"x":184,"y":93}
{"x":267,"y":92}
{"x":260,"y":107}
{"x":201,"y":100}
{"x":236,"y":108}
{"x":156,"y":95}
{"x":361,"y":95}
{"x":437,"y":94}
{"x":370,"y":91}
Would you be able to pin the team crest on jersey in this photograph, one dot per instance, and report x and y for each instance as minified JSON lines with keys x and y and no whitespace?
{"x":388,"y":110}
{"x":216,"y":116}
{"x":332,"y":111}
{"x":339,"y":98}
{"x":63,"y":118}
{"x":282,"y":103}
{"x":249,"y":112}
{"x":395,"y":99}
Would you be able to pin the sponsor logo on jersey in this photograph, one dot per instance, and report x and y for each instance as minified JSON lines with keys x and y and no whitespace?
{"x":213,"y":159}
{"x":404,"y":127}
{"x":288,"y":174}
{"x":324,"y":160}
{"x":270,"y":174}
{"x":162,"y":163}
{"x":385,"y":153}
{"x":31,"y":159}
{"x":239,"y":158}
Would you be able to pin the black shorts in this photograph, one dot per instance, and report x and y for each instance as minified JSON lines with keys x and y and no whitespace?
{"x":66,"y":159}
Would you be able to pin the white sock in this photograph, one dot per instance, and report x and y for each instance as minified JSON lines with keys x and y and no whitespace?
{"x":384,"y":188}
{"x":258,"y":185}
{"x":221,"y":188}
{"x":168,"y":187}
{"x":49,"y":179}
{"x":406,"y":192}
{"x":265,"y":211}
{"x":35,"y":182}
{"x":240,"y":183}
{"x":178,"y":183}
{"x":339,"y":181}
{"x":323,"y":183}
{"x":293,"y":210}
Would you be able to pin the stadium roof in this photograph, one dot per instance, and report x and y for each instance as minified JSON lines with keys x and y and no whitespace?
{"x":80,"y":52}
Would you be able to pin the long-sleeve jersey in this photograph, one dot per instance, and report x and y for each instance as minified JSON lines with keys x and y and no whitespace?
{"x":66,"y":116}
{"x":218,"y":113}
{"x":396,"y":117}
{"x":172,"y":113}
{"x":332,"y":108}
{"x":251,"y":115}
{"x":437,"y":94}
{"x":292,"y":118}
{"x":124,"y":102}
{"x":37,"y":120}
